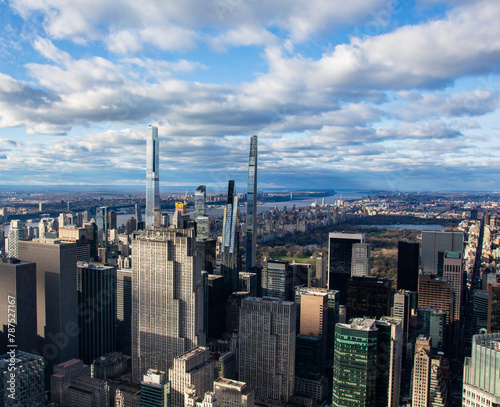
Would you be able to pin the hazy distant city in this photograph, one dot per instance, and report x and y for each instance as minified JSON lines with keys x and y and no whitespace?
{"x":298,"y":298}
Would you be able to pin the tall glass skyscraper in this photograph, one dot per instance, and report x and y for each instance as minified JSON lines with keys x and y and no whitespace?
{"x":153,"y":214}
{"x":340,"y":260}
{"x":230,"y":240}
{"x":251,"y":204}
{"x":202,"y":221}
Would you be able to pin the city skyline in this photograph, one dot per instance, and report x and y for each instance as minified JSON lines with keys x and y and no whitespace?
{"x":369,"y":95}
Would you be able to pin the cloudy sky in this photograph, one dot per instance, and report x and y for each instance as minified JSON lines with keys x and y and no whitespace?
{"x":375,"y":94}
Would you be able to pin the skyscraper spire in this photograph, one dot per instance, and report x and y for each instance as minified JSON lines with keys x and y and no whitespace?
{"x":153,"y":214}
{"x":251,"y":204}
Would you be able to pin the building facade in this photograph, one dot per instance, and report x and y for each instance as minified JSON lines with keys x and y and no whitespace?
{"x":56,"y":297}
{"x":193,"y":368}
{"x":230,"y":241}
{"x":267,"y":337}
{"x":22,"y":379}
{"x":408,"y":265}
{"x":96,"y":285}
{"x":340,"y":260}
{"x":231,"y":393}
{"x":18,"y":307}
{"x":481,"y":384}
{"x":155,"y":389}
{"x":167,"y":297}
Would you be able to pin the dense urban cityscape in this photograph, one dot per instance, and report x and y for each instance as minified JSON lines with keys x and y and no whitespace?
{"x":298,"y":298}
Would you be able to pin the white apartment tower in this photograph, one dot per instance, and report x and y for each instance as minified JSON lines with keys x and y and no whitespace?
{"x":167,"y":296}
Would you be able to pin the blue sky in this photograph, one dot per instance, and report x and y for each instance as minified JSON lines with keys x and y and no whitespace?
{"x":375,"y":94}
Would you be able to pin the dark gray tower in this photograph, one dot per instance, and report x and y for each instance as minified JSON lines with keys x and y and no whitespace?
{"x":251,"y":204}
{"x":101,"y":219}
{"x":153,"y":213}
{"x":230,"y":240}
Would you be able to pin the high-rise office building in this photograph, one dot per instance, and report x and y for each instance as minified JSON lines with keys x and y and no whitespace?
{"x":421,"y":372}
{"x":430,"y":375}
{"x":56,"y":297}
{"x":439,"y":381}
{"x":368,"y":297}
{"x":167,"y":296}
{"x":408,"y":265}
{"x":493,"y":308}
{"x":340,"y":260}
{"x":200,"y":216}
{"x":92,"y":237}
{"x":193,"y":368}
{"x":216,"y":306}
{"x":230,"y":241}
{"x":251,"y":205}
{"x":200,"y":197}
{"x":322,"y":270}
{"x":403,"y":304}
{"x":76,"y":235}
{"x":101,"y":220}
{"x":22,"y":379}
{"x":18,"y":292}
{"x":279,"y":280}
{"x":452,"y":270}
{"x":360,"y":263}
{"x":480,"y":311}
{"x":124,"y":311}
{"x":481,"y":383}
{"x":96,"y":285}
{"x":155,"y":389}
{"x":431,"y":322}
{"x":332,"y":314}
{"x":389,"y":361}
{"x":17,"y":233}
{"x":310,"y":354}
{"x":112,"y":220}
{"x":267,"y":338}
{"x":231,"y":393}
{"x":354,"y":383}
{"x":434,"y":246}
{"x":367,"y":362}
{"x":438,"y":292}
{"x":153,"y":211}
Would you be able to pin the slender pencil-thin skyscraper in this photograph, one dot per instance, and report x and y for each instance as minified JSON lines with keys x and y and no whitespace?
{"x":251,"y":204}
{"x":153,"y":214}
